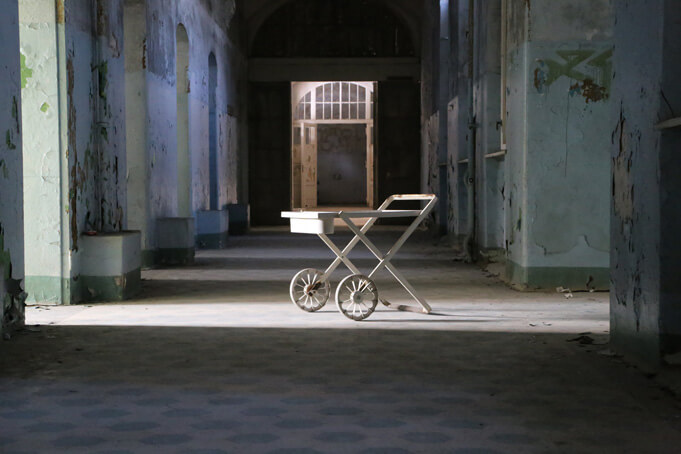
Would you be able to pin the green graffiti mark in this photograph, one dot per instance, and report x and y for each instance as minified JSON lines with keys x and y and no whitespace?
{"x":9,"y":142}
{"x":5,"y":170}
{"x":519,"y":223}
{"x":45,"y":107}
{"x":26,"y":72}
{"x":598,"y":67}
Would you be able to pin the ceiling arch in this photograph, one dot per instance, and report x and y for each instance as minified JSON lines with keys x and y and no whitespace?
{"x":256,"y":12}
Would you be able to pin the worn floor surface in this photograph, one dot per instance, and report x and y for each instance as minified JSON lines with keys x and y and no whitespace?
{"x":213,"y":358}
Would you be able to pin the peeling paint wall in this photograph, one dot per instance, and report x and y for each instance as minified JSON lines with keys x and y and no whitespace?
{"x":137,"y":162}
{"x":110,"y":129}
{"x":46,"y":209}
{"x":207,"y":33}
{"x":429,"y":125}
{"x":74,"y":77}
{"x":558,"y":101}
{"x":490,"y":171}
{"x":545,"y":200}
{"x":461,"y":175}
{"x":11,"y":181}
{"x":646,"y":181}
{"x":82,"y":129}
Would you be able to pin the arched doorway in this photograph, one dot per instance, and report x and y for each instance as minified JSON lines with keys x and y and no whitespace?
{"x":340,"y":43}
{"x":332,"y":159}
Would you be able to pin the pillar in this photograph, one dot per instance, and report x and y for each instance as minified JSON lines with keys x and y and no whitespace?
{"x":557,"y":179}
{"x":11,"y":179}
{"x":645,"y":297}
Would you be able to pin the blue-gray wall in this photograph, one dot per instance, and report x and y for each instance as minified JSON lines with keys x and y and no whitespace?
{"x":11,"y":181}
{"x":645,"y":299}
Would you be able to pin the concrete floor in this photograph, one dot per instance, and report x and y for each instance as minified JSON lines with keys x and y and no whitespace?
{"x":214,"y":358}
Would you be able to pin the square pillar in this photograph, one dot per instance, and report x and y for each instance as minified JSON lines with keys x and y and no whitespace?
{"x":212,"y":229}
{"x":111,"y":266}
{"x":557,"y":179}
{"x":239,"y":218}
{"x":175,"y":237}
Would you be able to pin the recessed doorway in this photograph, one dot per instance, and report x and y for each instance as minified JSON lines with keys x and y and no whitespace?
{"x":332,"y":146}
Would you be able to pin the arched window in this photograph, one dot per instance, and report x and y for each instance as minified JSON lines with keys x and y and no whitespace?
{"x":336,"y":101}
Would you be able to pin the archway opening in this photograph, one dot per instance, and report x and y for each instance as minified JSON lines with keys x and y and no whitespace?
{"x":332,"y":145}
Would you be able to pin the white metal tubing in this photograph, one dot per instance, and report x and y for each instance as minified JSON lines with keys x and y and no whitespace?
{"x":385,"y":262}
{"x":408,"y":287}
{"x":341,"y":257}
{"x":407,"y":233}
{"x":362,"y":237}
{"x":346,"y":250}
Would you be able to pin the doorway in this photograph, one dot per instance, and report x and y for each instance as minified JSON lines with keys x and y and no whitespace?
{"x":332,"y":146}
{"x":341,"y":164}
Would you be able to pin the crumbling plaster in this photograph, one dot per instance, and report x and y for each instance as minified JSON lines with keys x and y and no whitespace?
{"x":558,"y":99}
{"x":206,"y":35}
{"x":11,"y":202}
{"x":43,"y":111}
{"x":77,"y":173}
{"x":545,"y":201}
{"x":645,"y":289}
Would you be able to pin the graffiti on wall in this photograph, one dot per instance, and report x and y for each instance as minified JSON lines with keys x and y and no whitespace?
{"x":590,"y":70}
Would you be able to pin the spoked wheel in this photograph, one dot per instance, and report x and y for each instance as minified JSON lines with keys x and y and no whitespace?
{"x":356,"y":297}
{"x":308,"y":291}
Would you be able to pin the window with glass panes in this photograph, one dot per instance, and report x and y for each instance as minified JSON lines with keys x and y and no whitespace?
{"x":336,"y":101}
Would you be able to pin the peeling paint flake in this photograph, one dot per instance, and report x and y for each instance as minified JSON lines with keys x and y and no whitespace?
{"x":26,"y":72}
{"x":589,"y":90}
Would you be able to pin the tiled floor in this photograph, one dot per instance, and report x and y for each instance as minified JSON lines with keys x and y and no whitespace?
{"x":213,"y":358}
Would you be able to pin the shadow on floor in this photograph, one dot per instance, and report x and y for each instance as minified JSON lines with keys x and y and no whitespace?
{"x":162,"y":389}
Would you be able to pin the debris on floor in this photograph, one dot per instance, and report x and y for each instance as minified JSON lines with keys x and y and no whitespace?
{"x":583,"y":339}
{"x":565,"y":291}
{"x":590,"y":285}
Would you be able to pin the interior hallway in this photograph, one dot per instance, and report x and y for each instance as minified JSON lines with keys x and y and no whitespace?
{"x":214,"y":358}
